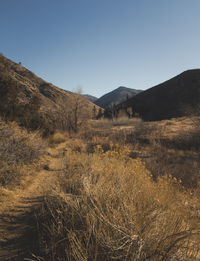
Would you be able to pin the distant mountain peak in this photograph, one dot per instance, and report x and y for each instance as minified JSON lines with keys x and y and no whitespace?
{"x":116,"y":96}
{"x":121,"y":88}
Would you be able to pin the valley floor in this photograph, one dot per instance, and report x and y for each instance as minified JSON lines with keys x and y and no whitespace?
{"x":121,"y":190}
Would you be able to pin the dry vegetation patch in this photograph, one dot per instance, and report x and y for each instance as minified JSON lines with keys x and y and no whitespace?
{"x":57,"y":138}
{"x":114,"y":197}
{"x":166,"y":147}
{"x":17,"y":149}
{"x":107,"y":207}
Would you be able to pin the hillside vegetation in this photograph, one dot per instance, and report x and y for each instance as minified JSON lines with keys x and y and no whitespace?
{"x":37,"y":104}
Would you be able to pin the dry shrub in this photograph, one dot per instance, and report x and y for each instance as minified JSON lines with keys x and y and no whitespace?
{"x":20,"y":150}
{"x":19,"y":146}
{"x":17,"y":149}
{"x":108,"y":208}
{"x":92,"y":146}
{"x":57,"y":138}
{"x":10,"y":175}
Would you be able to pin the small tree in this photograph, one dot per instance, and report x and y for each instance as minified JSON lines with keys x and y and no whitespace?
{"x":114,"y":111}
{"x":107,"y":113}
{"x":100,"y":114}
{"x":73,"y":115}
{"x":94,"y":112}
{"x":32,"y":117}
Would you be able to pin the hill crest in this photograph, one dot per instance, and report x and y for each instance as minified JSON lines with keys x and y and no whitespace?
{"x":37,"y":104}
{"x":176,"y":97}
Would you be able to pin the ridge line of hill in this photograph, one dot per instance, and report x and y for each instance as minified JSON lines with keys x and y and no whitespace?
{"x":176,"y":97}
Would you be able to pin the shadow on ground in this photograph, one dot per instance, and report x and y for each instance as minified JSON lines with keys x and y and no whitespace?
{"x":18,"y":229}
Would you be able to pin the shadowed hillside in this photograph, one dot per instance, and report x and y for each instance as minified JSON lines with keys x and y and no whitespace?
{"x":37,"y":104}
{"x":179,"y":96}
{"x":115,"y":97}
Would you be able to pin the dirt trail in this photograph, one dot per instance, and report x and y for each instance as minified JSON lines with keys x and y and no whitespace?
{"x":17,"y":225}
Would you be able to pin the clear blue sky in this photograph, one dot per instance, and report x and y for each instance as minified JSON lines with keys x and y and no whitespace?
{"x":101,"y":44}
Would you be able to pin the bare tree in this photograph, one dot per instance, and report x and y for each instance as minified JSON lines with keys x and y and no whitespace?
{"x":74,"y":113}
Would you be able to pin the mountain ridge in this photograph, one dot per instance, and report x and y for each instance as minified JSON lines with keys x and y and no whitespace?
{"x":176,"y":97}
{"x":116,"y":96}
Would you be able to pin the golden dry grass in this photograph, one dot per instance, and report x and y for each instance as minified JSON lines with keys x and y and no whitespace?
{"x":106,"y":205}
{"x":19,"y":150}
{"x":57,"y":138}
{"x":167,"y":147}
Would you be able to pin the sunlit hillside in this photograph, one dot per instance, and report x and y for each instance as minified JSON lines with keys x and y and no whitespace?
{"x":37,"y":104}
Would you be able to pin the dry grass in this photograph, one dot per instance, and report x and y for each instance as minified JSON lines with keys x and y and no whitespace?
{"x":106,"y":123}
{"x":10,"y":176}
{"x":107,"y":207}
{"x":17,"y":149}
{"x":57,"y":138}
{"x":166,"y":147}
{"x":107,"y":204}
